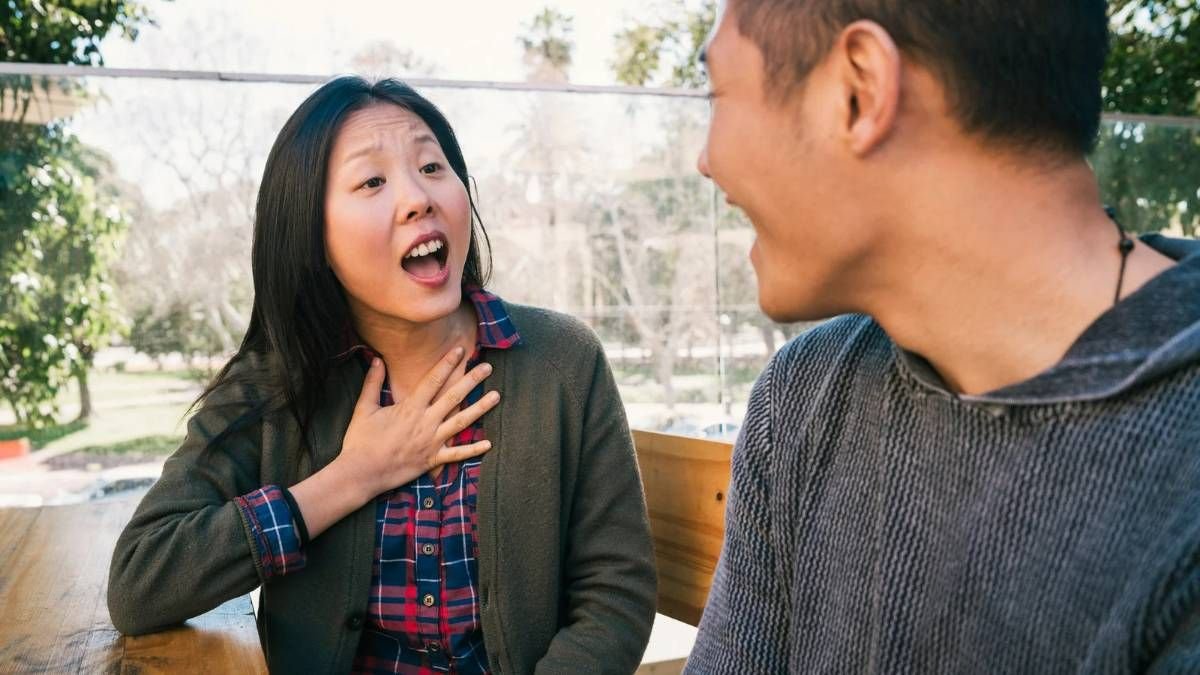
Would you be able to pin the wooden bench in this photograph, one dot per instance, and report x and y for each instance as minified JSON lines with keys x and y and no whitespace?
{"x":685,"y":481}
{"x":54,"y":616}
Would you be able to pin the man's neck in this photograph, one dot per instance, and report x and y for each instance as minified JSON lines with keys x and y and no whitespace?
{"x":1004,"y":271}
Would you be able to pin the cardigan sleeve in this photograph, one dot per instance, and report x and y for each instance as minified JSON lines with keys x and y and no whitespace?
{"x":273,"y":530}
{"x":189,"y":546}
{"x":609,"y":562}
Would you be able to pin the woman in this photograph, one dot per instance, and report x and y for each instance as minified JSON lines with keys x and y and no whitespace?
{"x":348,"y":459}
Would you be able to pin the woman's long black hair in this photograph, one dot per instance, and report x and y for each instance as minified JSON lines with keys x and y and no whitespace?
{"x":300,"y":315}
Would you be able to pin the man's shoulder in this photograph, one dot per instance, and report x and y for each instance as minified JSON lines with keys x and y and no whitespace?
{"x":823,"y":375}
{"x":848,"y":345}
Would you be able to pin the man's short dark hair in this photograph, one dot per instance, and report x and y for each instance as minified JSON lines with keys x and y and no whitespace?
{"x":1025,"y":72}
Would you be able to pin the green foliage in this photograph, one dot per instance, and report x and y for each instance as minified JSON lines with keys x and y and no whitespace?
{"x":177,"y":330}
{"x":40,"y":437}
{"x":161,"y":444}
{"x":1151,"y":172}
{"x":673,"y":43}
{"x":548,"y":41}
{"x":59,"y":230}
{"x":1154,"y":67}
{"x":43,"y":31}
{"x":59,"y":224}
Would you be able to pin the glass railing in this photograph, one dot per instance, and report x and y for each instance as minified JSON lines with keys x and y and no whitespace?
{"x":591,"y":200}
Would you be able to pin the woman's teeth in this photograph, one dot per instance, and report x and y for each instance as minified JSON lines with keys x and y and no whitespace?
{"x":426,"y":249}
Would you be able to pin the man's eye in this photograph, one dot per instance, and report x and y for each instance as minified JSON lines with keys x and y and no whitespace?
{"x":432,"y":167}
{"x":374,"y":182}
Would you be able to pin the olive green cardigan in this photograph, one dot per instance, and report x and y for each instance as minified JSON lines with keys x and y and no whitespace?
{"x":565,"y":559}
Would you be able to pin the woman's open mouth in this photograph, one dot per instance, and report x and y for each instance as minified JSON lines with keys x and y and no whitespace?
{"x":426,"y":261}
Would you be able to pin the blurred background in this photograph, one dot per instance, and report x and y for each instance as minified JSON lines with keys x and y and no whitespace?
{"x":133,"y":136}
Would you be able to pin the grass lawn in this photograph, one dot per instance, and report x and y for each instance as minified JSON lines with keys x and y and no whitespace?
{"x":136,"y":416}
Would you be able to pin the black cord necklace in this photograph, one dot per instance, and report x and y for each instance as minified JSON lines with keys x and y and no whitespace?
{"x":1125,"y":246}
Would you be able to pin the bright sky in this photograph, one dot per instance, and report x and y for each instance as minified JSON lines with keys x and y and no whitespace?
{"x":464,"y":39}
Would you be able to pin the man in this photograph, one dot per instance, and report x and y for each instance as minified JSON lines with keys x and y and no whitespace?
{"x":988,"y":463}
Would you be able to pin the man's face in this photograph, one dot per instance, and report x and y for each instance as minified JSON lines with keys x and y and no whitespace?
{"x":779,"y":157}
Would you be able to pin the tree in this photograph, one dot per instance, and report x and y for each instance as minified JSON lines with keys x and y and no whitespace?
{"x":61,"y":227}
{"x":547,"y":41}
{"x":384,"y":58}
{"x":1150,"y":172}
{"x":59,"y":221}
{"x":549,"y":144}
{"x":666,"y":51}
{"x":1154,"y":66}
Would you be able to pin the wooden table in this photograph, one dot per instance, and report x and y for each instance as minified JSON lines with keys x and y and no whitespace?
{"x":54,"y":616}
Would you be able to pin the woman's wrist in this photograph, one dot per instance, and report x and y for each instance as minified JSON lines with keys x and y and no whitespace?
{"x":354,"y":480}
{"x":331,"y":494}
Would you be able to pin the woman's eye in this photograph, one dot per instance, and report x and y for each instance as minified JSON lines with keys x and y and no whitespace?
{"x":374,"y":182}
{"x":432,"y":167}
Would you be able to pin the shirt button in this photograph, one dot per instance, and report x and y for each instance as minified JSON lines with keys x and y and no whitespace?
{"x":427,"y":549}
{"x":427,"y":600}
{"x":434,"y":647}
{"x":427,"y":502}
{"x":355,"y":622}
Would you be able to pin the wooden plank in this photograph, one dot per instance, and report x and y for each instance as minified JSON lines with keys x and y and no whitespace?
{"x":54,"y":587}
{"x":54,"y":614}
{"x":672,"y":667}
{"x":685,"y":481}
{"x":224,"y":640}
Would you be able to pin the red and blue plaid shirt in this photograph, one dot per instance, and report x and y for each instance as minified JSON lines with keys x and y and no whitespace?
{"x":423,"y":614}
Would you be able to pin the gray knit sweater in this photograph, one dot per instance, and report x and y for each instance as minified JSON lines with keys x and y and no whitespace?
{"x":878,"y":523}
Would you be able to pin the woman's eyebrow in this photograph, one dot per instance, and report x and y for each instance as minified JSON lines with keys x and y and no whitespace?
{"x":425,"y":138}
{"x":364,"y":150}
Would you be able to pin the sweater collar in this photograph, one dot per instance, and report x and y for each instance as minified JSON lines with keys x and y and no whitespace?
{"x":1151,"y":333}
{"x":495,"y":327}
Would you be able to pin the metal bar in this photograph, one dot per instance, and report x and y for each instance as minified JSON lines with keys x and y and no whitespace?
{"x":1168,"y":120}
{"x":51,"y":70}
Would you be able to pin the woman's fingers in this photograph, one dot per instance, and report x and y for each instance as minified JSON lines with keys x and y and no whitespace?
{"x":437,"y":377}
{"x":368,"y":398}
{"x":458,"y":453}
{"x":458,"y":391}
{"x":464,"y":418}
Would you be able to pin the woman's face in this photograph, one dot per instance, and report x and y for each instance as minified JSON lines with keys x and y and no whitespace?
{"x":397,"y":218}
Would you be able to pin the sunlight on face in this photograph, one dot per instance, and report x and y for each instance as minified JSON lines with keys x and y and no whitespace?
{"x":397,"y":218}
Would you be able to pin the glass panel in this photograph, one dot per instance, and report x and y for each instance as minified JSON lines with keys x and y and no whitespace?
{"x":1150,"y":173}
{"x":592,"y":203}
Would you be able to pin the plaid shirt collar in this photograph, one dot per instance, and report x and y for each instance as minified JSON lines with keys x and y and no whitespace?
{"x":495,"y":327}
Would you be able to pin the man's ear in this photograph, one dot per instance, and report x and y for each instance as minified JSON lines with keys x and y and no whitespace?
{"x":869,"y":67}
